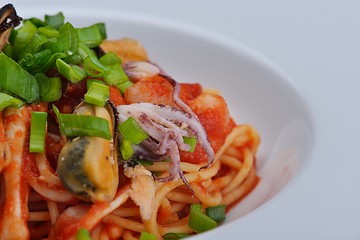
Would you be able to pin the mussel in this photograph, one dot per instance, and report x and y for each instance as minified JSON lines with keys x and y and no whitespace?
{"x":8,"y":20}
{"x":88,"y":166}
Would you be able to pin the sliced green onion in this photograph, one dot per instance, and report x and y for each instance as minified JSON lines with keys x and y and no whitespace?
{"x":190,"y":141}
{"x":8,"y":50}
{"x":41,"y":61}
{"x":73,"y":73}
{"x":110,"y":58}
{"x":126,"y":149}
{"x":67,"y":42}
{"x":22,"y":38}
{"x":7,"y":101}
{"x":90,"y":36}
{"x":55,"y":21}
{"x":49,"y":31}
{"x":37,"y":22}
{"x":217,"y":212}
{"x":84,"y":51}
{"x":176,"y":236}
{"x":132,"y":131}
{"x":74,"y":125}
{"x":36,"y":42}
{"x":92,"y":65}
{"x":37,"y":132}
{"x":115,"y":75}
{"x":198,"y":221}
{"x":27,"y":60}
{"x":102,"y":29}
{"x":83,"y":234}
{"x":147,"y":236}
{"x":74,"y":59}
{"x":98,"y":94}
{"x":144,"y":162}
{"x":16,"y":80}
{"x":89,"y":82}
{"x":123,"y":86}
{"x":50,"y":88}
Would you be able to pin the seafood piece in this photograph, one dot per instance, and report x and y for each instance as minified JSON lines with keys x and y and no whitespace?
{"x":8,"y":20}
{"x":140,"y":70}
{"x":162,"y":89}
{"x":213,"y":113}
{"x":142,"y":189}
{"x":153,"y":90}
{"x":13,"y":218}
{"x":166,"y":127}
{"x":88,"y":166}
{"x":127,"y":49}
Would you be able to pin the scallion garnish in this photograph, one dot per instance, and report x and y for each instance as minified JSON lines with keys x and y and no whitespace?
{"x":109,"y":59}
{"x":89,"y":82}
{"x":147,"y":236}
{"x":132,"y":131}
{"x":74,"y":125}
{"x":91,"y":63}
{"x":93,"y":67}
{"x":190,"y":141}
{"x":55,"y":21}
{"x":16,"y":80}
{"x":176,"y":236}
{"x":37,"y":132}
{"x":98,"y":94}
{"x":115,"y":75}
{"x":199,"y":221}
{"x":67,"y":41}
{"x":73,"y":73}
{"x":126,"y":149}
{"x":50,"y":88}
{"x":83,"y":234}
{"x":102,"y":29}
{"x":90,"y":36}
{"x":36,"y":42}
{"x":216,"y":212}
{"x":143,"y":162}
{"x":49,"y":31}
{"x":22,"y":37}
{"x":37,"y":22}
{"x":9,"y":101}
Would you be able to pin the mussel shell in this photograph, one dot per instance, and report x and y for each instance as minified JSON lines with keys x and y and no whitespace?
{"x":88,"y":166}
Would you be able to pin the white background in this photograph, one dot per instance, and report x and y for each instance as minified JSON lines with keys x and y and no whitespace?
{"x":317,"y":43}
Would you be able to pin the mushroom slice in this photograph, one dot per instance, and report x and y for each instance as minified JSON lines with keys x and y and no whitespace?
{"x":88,"y":166}
{"x":8,"y":20}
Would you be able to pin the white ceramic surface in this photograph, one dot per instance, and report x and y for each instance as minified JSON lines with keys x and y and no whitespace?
{"x":257,"y":93}
{"x":317,"y":42}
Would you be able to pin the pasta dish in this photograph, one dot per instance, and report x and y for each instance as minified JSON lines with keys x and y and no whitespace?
{"x":99,"y":142}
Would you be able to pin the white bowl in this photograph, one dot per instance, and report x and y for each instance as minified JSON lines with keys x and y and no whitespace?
{"x":257,"y":92}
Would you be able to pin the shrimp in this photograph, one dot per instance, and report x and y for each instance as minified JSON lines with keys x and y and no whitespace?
{"x":13,"y":221}
{"x":213,"y":114}
{"x":159,"y":90}
{"x":152,"y":90}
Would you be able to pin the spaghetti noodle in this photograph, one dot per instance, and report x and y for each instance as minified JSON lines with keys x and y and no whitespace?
{"x":36,"y":202}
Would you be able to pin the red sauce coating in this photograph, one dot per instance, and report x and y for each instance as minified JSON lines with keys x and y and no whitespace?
{"x":116,"y":97}
{"x":213,"y":114}
{"x":73,"y":93}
